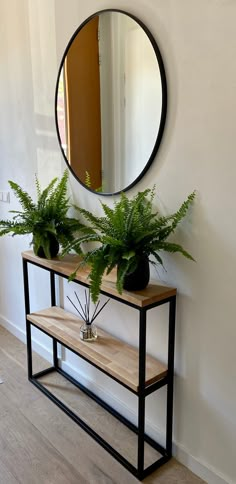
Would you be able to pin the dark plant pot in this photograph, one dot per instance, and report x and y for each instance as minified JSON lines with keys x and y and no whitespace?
{"x":53,"y":248}
{"x":138,"y":279}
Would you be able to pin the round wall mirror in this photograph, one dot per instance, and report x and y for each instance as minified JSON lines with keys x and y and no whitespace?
{"x":110,"y":103}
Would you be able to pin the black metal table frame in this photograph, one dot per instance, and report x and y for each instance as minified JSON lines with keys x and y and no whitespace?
{"x":166,"y":452}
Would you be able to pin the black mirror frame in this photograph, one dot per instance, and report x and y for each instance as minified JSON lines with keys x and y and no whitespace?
{"x":164,"y":100}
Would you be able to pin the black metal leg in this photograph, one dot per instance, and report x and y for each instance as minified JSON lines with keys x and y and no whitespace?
{"x":170,"y":386}
{"x":53,"y":303}
{"x":141,"y":397}
{"x":27,"y":311}
{"x":29,"y":349}
{"x":26,"y":287}
{"x":54,"y":349}
{"x":53,"y":290}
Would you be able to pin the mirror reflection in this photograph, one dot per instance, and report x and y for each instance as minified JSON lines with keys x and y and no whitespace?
{"x":109,"y":102}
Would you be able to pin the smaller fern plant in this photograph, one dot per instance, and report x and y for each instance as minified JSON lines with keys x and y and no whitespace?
{"x":46,"y":219}
{"x":127,"y":233}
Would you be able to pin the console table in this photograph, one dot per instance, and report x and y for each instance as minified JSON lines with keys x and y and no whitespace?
{"x":111,"y":356}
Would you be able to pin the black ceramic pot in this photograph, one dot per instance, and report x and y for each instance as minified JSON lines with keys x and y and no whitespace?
{"x":53,"y":248}
{"x":138,"y":279}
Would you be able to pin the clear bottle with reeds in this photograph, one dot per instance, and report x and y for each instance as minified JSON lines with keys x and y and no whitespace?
{"x":88,"y":330}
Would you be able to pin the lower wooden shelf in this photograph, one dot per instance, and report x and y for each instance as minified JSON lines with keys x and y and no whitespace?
{"x":113,"y":356}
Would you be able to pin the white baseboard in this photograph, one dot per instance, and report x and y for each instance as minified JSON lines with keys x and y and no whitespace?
{"x":203,"y":470}
{"x":12,"y":328}
{"x":21,"y":335}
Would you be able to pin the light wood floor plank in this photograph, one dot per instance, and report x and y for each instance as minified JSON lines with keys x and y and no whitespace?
{"x":39,"y":444}
{"x":25,"y":451}
{"x":5,"y":476}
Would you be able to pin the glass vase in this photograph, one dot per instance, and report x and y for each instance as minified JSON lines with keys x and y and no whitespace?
{"x":88,"y":332}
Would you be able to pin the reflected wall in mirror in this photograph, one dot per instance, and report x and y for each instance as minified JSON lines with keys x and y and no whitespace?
{"x":110,"y":102}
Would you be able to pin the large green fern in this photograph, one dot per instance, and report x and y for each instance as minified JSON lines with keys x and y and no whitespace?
{"x":125,"y":234}
{"x":46,"y":219}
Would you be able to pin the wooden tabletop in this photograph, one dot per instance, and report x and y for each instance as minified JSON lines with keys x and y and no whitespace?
{"x":65,"y":266}
{"x":115,"y":357}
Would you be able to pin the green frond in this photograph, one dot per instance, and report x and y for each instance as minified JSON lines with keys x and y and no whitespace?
{"x":87,"y":179}
{"x":23,"y":197}
{"x":72,"y":276}
{"x":178,"y":216}
{"x":99,"y":223}
{"x":111,"y":266}
{"x":121,"y":211}
{"x":96,"y":274}
{"x":122,"y":270}
{"x":171,"y":247}
{"x":38,"y":188}
{"x":88,"y":238}
{"x":69,"y":246}
{"x":16,"y":228}
{"x":107,"y":239}
{"x":108,"y":211}
{"x":4,"y":232}
{"x":42,"y":196}
{"x":58,"y":198}
{"x":156,"y":256}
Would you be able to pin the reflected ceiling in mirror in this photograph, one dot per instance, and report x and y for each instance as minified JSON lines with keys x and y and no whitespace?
{"x":110,"y":102}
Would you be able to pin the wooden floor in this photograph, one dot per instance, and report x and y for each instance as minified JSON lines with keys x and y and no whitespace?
{"x":39,"y":444}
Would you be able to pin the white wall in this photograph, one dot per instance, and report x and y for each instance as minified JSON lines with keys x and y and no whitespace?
{"x":197,"y":41}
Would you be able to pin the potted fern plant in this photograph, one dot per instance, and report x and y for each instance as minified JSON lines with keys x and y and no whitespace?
{"x":46,"y":219}
{"x":128,"y":235}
